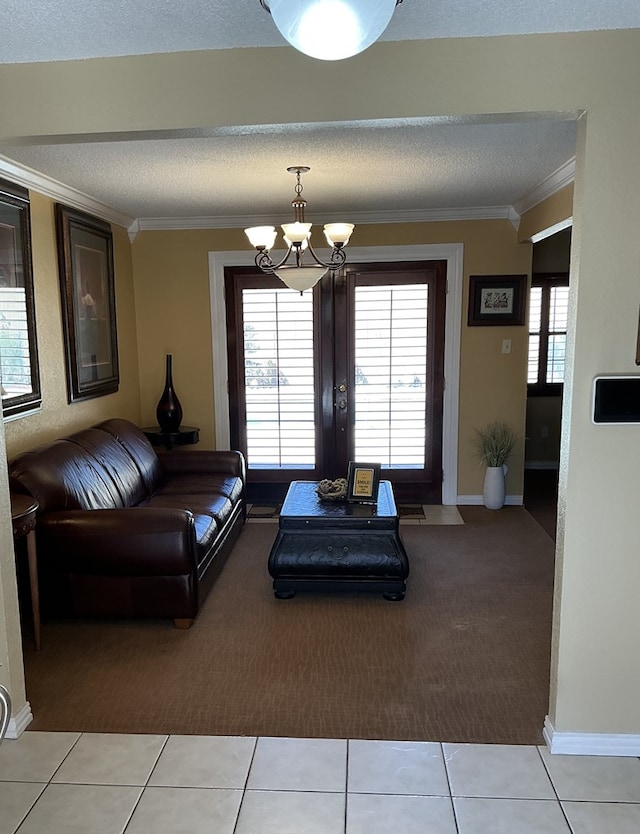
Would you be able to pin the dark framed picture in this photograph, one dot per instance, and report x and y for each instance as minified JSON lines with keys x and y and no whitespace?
{"x":362,"y":482}
{"x":85,"y":263}
{"x":497,"y":299}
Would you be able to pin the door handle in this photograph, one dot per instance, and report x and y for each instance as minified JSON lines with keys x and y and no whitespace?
{"x":342,"y":404}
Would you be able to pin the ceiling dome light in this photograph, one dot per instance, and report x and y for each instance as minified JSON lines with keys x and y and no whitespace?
{"x":331,"y":29}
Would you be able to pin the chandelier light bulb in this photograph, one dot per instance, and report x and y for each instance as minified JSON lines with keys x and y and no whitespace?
{"x":338,"y":234}
{"x":331,"y":29}
{"x":296,"y":232}
{"x":262,"y":237}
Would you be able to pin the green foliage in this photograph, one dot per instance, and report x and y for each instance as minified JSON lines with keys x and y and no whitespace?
{"x":494,"y":443}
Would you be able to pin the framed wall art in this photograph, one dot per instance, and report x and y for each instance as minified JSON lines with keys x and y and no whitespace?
{"x":497,"y":299}
{"x":363,"y":480}
{"x":85,"y":262}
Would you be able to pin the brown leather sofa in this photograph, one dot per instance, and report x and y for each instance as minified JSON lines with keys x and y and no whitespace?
{"x":124,"y":532}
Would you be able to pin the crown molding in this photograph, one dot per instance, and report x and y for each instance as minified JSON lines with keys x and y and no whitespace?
{"x":62,"y":193}
{"x":559,"y":179}
{"x":359,"y":218}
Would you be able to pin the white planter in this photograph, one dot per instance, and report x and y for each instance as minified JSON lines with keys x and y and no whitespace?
{"x":494,"y":487}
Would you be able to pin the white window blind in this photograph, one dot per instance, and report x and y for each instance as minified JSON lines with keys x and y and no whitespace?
{"x":548,"y":331}
{"x":279,"y":378}
{"x":535,"y":317}
{"x":390,"y":341}
{"x":14,"y":342}
{"x":558,"y":317}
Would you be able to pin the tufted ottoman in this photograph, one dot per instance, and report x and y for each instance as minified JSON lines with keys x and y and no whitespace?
{"x":338,"y":546}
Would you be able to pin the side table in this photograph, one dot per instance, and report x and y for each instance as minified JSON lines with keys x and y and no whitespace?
{"x":185,"y":436}
{"x":23,"y":518}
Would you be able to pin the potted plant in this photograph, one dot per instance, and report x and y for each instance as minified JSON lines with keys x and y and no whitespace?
{"x":494,"y":444}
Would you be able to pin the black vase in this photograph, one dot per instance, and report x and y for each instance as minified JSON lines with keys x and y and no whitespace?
{"x":169,"y":410}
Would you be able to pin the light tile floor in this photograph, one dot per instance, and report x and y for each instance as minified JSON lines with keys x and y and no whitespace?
{"x":67,"y":783}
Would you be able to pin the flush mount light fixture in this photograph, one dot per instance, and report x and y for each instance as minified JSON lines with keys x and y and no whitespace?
{"x":331,"y":29}
{"x":292,"y":270}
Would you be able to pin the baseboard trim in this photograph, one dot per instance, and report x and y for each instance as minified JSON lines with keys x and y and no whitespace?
{"x":471,"y":500}
{"x":590,"y":744}
{"x":19,"y":722}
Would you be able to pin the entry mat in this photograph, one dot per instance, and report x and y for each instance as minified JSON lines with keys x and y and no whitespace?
{"x":409,"y":513}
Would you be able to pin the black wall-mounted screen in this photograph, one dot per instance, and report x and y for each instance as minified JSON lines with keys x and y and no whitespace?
{"x":616,"y":399}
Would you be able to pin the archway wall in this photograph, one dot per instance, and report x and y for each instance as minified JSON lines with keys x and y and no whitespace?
{"x":596,"y":688}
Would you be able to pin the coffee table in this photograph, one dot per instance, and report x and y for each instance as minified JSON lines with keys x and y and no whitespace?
{"x":338,"y":546}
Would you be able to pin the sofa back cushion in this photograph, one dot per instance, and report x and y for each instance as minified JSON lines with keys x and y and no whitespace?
{"x":64,"y":477}
{"x":117,"y":468}
{"x":136,"y":445}
{"x":90,"y":470}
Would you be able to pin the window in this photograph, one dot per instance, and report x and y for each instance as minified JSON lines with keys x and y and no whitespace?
{"x":390,"y":341}
{"x":18,"y":351}
{"x":279,"y":378}
{"x":548,"y":312}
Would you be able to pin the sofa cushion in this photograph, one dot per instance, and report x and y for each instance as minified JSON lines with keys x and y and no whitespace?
{"x":136,"y":445}
{"x":61,"y":479}
{"x":216,"y":506}
{"x":118,"y":468}
{"x":209,"y":516}
{"x":197,"y":483}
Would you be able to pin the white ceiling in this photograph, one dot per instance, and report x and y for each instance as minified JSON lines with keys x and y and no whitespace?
{"x":46,"y":30}
{"x":205,"y":177}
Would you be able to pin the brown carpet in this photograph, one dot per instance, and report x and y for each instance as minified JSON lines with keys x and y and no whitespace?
{"x":464,"y":658}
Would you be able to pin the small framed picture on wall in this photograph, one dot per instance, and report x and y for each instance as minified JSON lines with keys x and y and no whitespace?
{"x":497,"y":299}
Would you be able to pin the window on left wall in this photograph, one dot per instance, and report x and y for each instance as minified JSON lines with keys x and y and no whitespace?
{"x":19,"y":372}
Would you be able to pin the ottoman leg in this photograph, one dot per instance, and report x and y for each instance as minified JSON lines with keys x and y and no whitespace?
{"x":283,"y":594}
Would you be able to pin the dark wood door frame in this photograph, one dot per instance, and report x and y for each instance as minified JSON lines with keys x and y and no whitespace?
{"x":335,"y":425}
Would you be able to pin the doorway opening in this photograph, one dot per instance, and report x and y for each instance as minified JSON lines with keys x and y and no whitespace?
{"x":548,"y":314}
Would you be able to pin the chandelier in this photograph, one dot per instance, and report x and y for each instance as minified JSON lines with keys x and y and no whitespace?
{"x":331,"y":29}
{"x":292,"y":269}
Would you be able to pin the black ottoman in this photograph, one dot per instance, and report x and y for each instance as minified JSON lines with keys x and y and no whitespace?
{"x":338,"y":546}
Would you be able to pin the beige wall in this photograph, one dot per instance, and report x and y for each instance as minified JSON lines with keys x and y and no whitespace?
{"x":553,"y":210}
{"x":172,"y":299}
{"x":596,"y":676}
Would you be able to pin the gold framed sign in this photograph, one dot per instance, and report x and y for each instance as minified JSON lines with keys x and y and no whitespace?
{"x":362,"y":482}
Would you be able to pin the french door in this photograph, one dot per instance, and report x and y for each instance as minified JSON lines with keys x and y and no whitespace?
{"x":352,"y":370}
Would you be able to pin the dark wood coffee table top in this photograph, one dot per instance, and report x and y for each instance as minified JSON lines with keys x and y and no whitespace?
{"x":303,"y":502}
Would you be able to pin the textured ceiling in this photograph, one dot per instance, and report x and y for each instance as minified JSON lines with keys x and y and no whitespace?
{"x":415,"y":167}
{"x":46,"y":30}
{"x":358,"y":169}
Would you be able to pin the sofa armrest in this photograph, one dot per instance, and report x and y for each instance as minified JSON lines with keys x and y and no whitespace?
{"x":225,"y":462}
{"x":134,"y":541}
